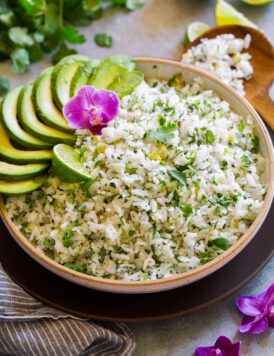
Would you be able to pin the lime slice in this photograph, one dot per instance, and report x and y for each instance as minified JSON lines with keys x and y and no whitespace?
{"x":228,"y":15}
{"x":257,"y":2}
{"x":194,"y":30}
{"x":67,"y":166}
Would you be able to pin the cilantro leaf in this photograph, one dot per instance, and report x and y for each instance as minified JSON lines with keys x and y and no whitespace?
{"x":103,"y":40}
{"x":187,"y":210}
{"x":72,"y":35}
{"x":35,"y":53}
{"x":91,"y":5}
{"x":34,"y":8}
{"x":162,"y":134}
{"x":134,"y":4}
{"x":221,"y":243}
{"x":76,"y":267}
{"x":20,"y":36}
{"x":209,"y":136}
{"x":20,"y":60}
{"x":62,"y":52}
{"x":4,"y":86}
{"x":67,"y":241}
{"x":178,"y":175}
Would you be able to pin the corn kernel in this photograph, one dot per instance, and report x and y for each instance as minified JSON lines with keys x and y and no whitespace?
{"x":101,"y":148}
{"x":154,"y":156}
{"x":236,"y":224}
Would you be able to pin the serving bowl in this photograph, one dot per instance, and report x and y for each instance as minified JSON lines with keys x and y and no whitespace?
{"x":165,"y":69}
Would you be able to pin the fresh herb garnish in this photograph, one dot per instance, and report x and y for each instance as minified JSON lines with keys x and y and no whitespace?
{"x":245,"y":161}
{"x":187,"y":210}
{"x":76,"y":267}
{"x":67,"y":241}
{"x":209,"y":136}
{"x":220,"y":242}
{"x":178,"y":175}
{"x":103,"y":40}
{"x":4,"y":86}
{"x":163,"y":134}
{"x":255,"y":142}
{"x":241,"y":126}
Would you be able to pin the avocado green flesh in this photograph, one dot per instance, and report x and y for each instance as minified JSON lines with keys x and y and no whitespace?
{"x":105,"y":74}
{"x":125,"y":83}
{"x":14,"y":172}
{"x":23,"y":186}
{"x":82,"y":76}
{"x":13,"y":155}
{"x":9,"y":120}
{"x":60,"y":82}
{"x":31,"y":123}
{"x":44,"y":105}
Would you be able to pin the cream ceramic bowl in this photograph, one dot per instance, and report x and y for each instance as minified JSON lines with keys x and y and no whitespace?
{"x":165,"y":69}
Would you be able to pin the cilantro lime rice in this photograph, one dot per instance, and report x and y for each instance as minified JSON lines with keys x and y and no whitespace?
{"x":177,"y":181}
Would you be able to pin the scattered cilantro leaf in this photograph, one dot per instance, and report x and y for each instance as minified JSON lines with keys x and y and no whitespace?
{"x":34,"y":8}
{"x":245,"y":161}
{"x":35,"y":53}
{"x":241,"y":126}
{"x":162,"y":134}
{"x":20,"y":36}
{"x":67,"y":241}
{"x":134,"y":4}
{"x":76,"y":267}
{"x":178,"y":175}
{"x":48,"y":243}
{"x":71,"y":35}
{"x":4,"y":86}
{"x":255,"y":142}
{"x":209,"y":136}
{"x":221,"y":243}
{"x":103,"y":40}
{"x":187,"y":210}
{"x":20,"y":60}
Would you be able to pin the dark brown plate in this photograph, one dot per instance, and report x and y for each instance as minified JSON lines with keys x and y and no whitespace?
{"x":80,"y":301}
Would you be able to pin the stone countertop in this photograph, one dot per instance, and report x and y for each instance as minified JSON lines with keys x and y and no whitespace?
{"x":157,"y":30}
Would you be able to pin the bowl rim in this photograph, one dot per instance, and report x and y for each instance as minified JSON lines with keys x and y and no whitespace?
{"x":189,"y":276}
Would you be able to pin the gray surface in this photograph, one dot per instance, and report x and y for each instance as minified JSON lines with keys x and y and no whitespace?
{"x":157,"y":30}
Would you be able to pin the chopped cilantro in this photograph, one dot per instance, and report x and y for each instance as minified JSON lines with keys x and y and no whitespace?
{"x":161,"y":120}
{"x":175,"y":199}
{"x":241,"y":126}
{"x":224,"y":164}
{"x":48,"y":243}
{"x":221,"y":242}
{"x":187,"y":210}
{"x":245,"y":161}
{"x":220,"y":200}
{"x":255,"y":142}
{"x":163,"y":134}
{"x":103,"y":40}
{"x":112,"y":184}
{"x":178,"y":175}
{"x":67,"y":241}
{"x":76,"y":267}
{"x":130,"y":170}
{"x":209,"y":136}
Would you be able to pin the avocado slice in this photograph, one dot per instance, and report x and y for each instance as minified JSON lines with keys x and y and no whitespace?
{"x":12,"y":154}
{"x":110,"y":68}
{"x":73,"y":58}
{"x":61,"y":78}
{"x":12,"y":172}
{"x":8,"y":112}
{"x":44,"y":105}
{"x":29,"y":121}
{"x":82,"y":76}
{"x":126,"y":82}
{"x":23,"y":186}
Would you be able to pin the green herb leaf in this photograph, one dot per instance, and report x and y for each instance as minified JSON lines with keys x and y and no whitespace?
{"x":48,"y":243}
{"x":72,"y":35}
{"x":103,"y":40}
{"x":67,"y":241}
{"x":245,"y":161}
{"x":187,"y":210}
{"x":20,"y":36}
{"x":20,"y":60}
{"x":134,"y":4}
{"x":241,"y":126}
{"x":220,"y":200}
{"x":62,"y":52}
{"x":34,"y":8}
{"x":255,"y":143}
{"x":209,"y":136}
{"x":162,"y":134}
{"x":91,"y":5}
{"x":35,"y":53}
{"x":221,"y":243}
{"x":178,"y":175}
{"x":76,"y":267}
{"x":4,"y":86}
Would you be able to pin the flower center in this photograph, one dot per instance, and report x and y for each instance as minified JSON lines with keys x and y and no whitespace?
{"x":95,"y":116}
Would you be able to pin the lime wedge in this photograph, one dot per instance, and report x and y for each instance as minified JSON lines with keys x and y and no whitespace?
{"x":228,"y":15}
{"x":194,"y":30}
{"x":67,"y":166}
{"x":257,"y":2}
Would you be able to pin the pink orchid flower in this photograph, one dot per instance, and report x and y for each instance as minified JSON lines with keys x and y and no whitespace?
{"x":222,"y":347}
{"x":91,"y":109}
{"x":258,"y":311}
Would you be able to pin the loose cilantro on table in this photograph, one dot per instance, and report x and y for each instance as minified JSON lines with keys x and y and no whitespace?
{"x":103,"y":40}
{"x":4,"y":86}
{"x":28,"y":28}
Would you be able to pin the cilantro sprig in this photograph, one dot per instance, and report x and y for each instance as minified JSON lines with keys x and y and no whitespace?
{"x":162,"y":134}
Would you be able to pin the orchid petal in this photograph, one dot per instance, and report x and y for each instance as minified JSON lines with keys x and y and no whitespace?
{"x":206,"y":351}
{"x":235,"y":349}
{"x":269,"y":298}
{"x":253,"y":325}
{"x":106,"y":101}
{"x":250,"y":305}
{"x":271,"y":318}
{"x":87,"y":91}
{"x":77,"y":113}
{"x":97,"y":130}
{"x":223,"y":343}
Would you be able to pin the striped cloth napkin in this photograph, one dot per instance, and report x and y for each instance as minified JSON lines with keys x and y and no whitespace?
{"x":27,"y":327}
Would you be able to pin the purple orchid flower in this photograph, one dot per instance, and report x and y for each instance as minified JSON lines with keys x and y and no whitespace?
{"x":222,"y":347}
{"x":91,"y":109}
{"x":258,"y":311}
